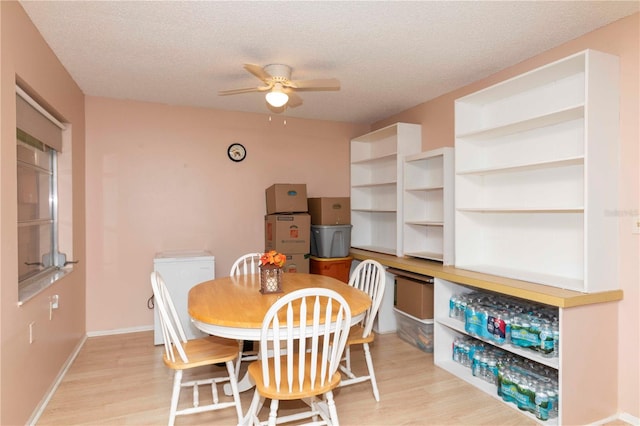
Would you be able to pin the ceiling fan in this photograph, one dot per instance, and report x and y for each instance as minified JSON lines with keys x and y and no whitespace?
{"x":279,"y":86}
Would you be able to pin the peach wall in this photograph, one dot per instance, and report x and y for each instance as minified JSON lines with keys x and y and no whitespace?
{"x":28,"y":370}
{"x":158,"y":178}
{"x":621,"y":38}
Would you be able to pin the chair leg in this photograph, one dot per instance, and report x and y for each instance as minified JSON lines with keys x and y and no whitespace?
{"x":372,"y":374}
{"x":175,"y":396}
{"x":273,"y":412}
{"x":254,"y":409}
{"x":234,"y":390}
{"x":331,"y":405}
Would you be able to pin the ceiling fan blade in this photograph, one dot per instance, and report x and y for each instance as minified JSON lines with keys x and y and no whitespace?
{"x":246,"y":90}
{"x":258,"y":71}
{"x":320,"y":84}
{"x":294,"y":100}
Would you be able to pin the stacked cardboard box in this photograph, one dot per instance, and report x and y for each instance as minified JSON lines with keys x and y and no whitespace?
{"x":330,"y":236}
{"x":288,"y":224}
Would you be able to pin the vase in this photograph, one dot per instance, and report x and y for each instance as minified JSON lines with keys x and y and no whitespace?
{"x":270,"y":279}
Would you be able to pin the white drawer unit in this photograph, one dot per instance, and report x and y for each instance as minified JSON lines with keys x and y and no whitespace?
{"x":181,"y":270}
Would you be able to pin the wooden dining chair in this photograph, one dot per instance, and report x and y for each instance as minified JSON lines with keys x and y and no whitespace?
{"x":302,"y":339}
{"x":181,"y":354}
{"x":368,"y":276}
{"x":244,"y":265}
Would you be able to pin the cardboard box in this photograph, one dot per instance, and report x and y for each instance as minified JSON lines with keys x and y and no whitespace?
{"x":297,"y":263}
{"x":414,"y":297}
{"x":286,"y":198}
{"x":330,"y":211}
{"x":288,"y":233}
{"x":337,"y":267}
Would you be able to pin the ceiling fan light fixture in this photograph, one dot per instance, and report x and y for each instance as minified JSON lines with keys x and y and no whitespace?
{"x":276,"y":97}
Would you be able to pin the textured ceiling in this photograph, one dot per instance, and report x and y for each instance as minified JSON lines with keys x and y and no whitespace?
{"x":388,"y":55}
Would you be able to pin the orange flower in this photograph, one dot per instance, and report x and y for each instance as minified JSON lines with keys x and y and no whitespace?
{"x":273,"y":258}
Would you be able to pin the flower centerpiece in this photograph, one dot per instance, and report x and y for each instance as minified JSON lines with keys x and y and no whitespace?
{"x":271,"y":264}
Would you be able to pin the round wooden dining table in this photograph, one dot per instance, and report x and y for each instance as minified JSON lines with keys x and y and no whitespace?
{"x":234,"y":307}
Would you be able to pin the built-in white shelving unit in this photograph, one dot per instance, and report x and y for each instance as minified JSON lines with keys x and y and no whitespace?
{"x":376,"y":186}
{"x":575,"y":357}
{"x":536,"y":175}
{"x":428,"y":206}
{"x":587,"y":336}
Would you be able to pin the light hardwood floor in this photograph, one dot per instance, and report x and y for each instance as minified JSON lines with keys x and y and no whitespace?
{"x":121,"y":380}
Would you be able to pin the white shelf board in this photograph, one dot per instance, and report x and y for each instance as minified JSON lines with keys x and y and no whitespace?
{"x":374,"y":210}
{"x":515,"y":209}
{"x":424,"y":222}
{"x":426,"y":255}
{"x":426,"y":188}
{"x":377,"y":249}
{"x":374,"y":159}
{"x":372,"y":185}
{"x":560,"y":162}
{"x":534,"y":277}
{"x":542,"y":120}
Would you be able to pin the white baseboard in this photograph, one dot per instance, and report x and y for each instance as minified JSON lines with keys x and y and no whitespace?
{"x":626,"y":417}
{"x":119,"y":331}
{"x":35,"y":416}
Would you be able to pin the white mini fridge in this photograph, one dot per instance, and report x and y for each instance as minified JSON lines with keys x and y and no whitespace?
{"x":181,"y":270}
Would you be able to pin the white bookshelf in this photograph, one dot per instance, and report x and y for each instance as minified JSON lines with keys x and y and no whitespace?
{"x":376,"y":186}
{"x":428,"y":216}
{"x":535,"y":173}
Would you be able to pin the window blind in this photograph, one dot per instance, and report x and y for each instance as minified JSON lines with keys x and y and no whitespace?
{"x":36,"y":122}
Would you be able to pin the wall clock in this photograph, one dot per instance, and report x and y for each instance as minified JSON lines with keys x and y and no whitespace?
{"x":236,"y":152}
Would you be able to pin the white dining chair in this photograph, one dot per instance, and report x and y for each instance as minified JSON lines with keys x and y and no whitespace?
{"x":302,"y":339}
{"x":244,"y":265}
{"x":181,"y":354}
{"x":368,"y":276}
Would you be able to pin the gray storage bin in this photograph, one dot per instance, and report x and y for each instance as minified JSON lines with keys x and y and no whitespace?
{"x":330,"y":240}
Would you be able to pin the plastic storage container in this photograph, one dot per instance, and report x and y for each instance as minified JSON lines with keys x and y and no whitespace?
{"x":415,"y":331}
{"x":338,"y":268}
{"x":330,"y":240}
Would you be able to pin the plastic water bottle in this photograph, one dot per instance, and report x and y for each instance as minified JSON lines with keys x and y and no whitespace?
{"x":556,"y":339}
{"x":541,"y":402}
{"x":454,"y":305}
{"x":492,"y":371}
{"x":546,"y":339}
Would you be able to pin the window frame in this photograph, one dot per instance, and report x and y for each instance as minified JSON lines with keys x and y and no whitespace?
{"x":54,"y":264}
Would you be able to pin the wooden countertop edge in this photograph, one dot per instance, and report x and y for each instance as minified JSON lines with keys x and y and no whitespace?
{"x":526,"y":290}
